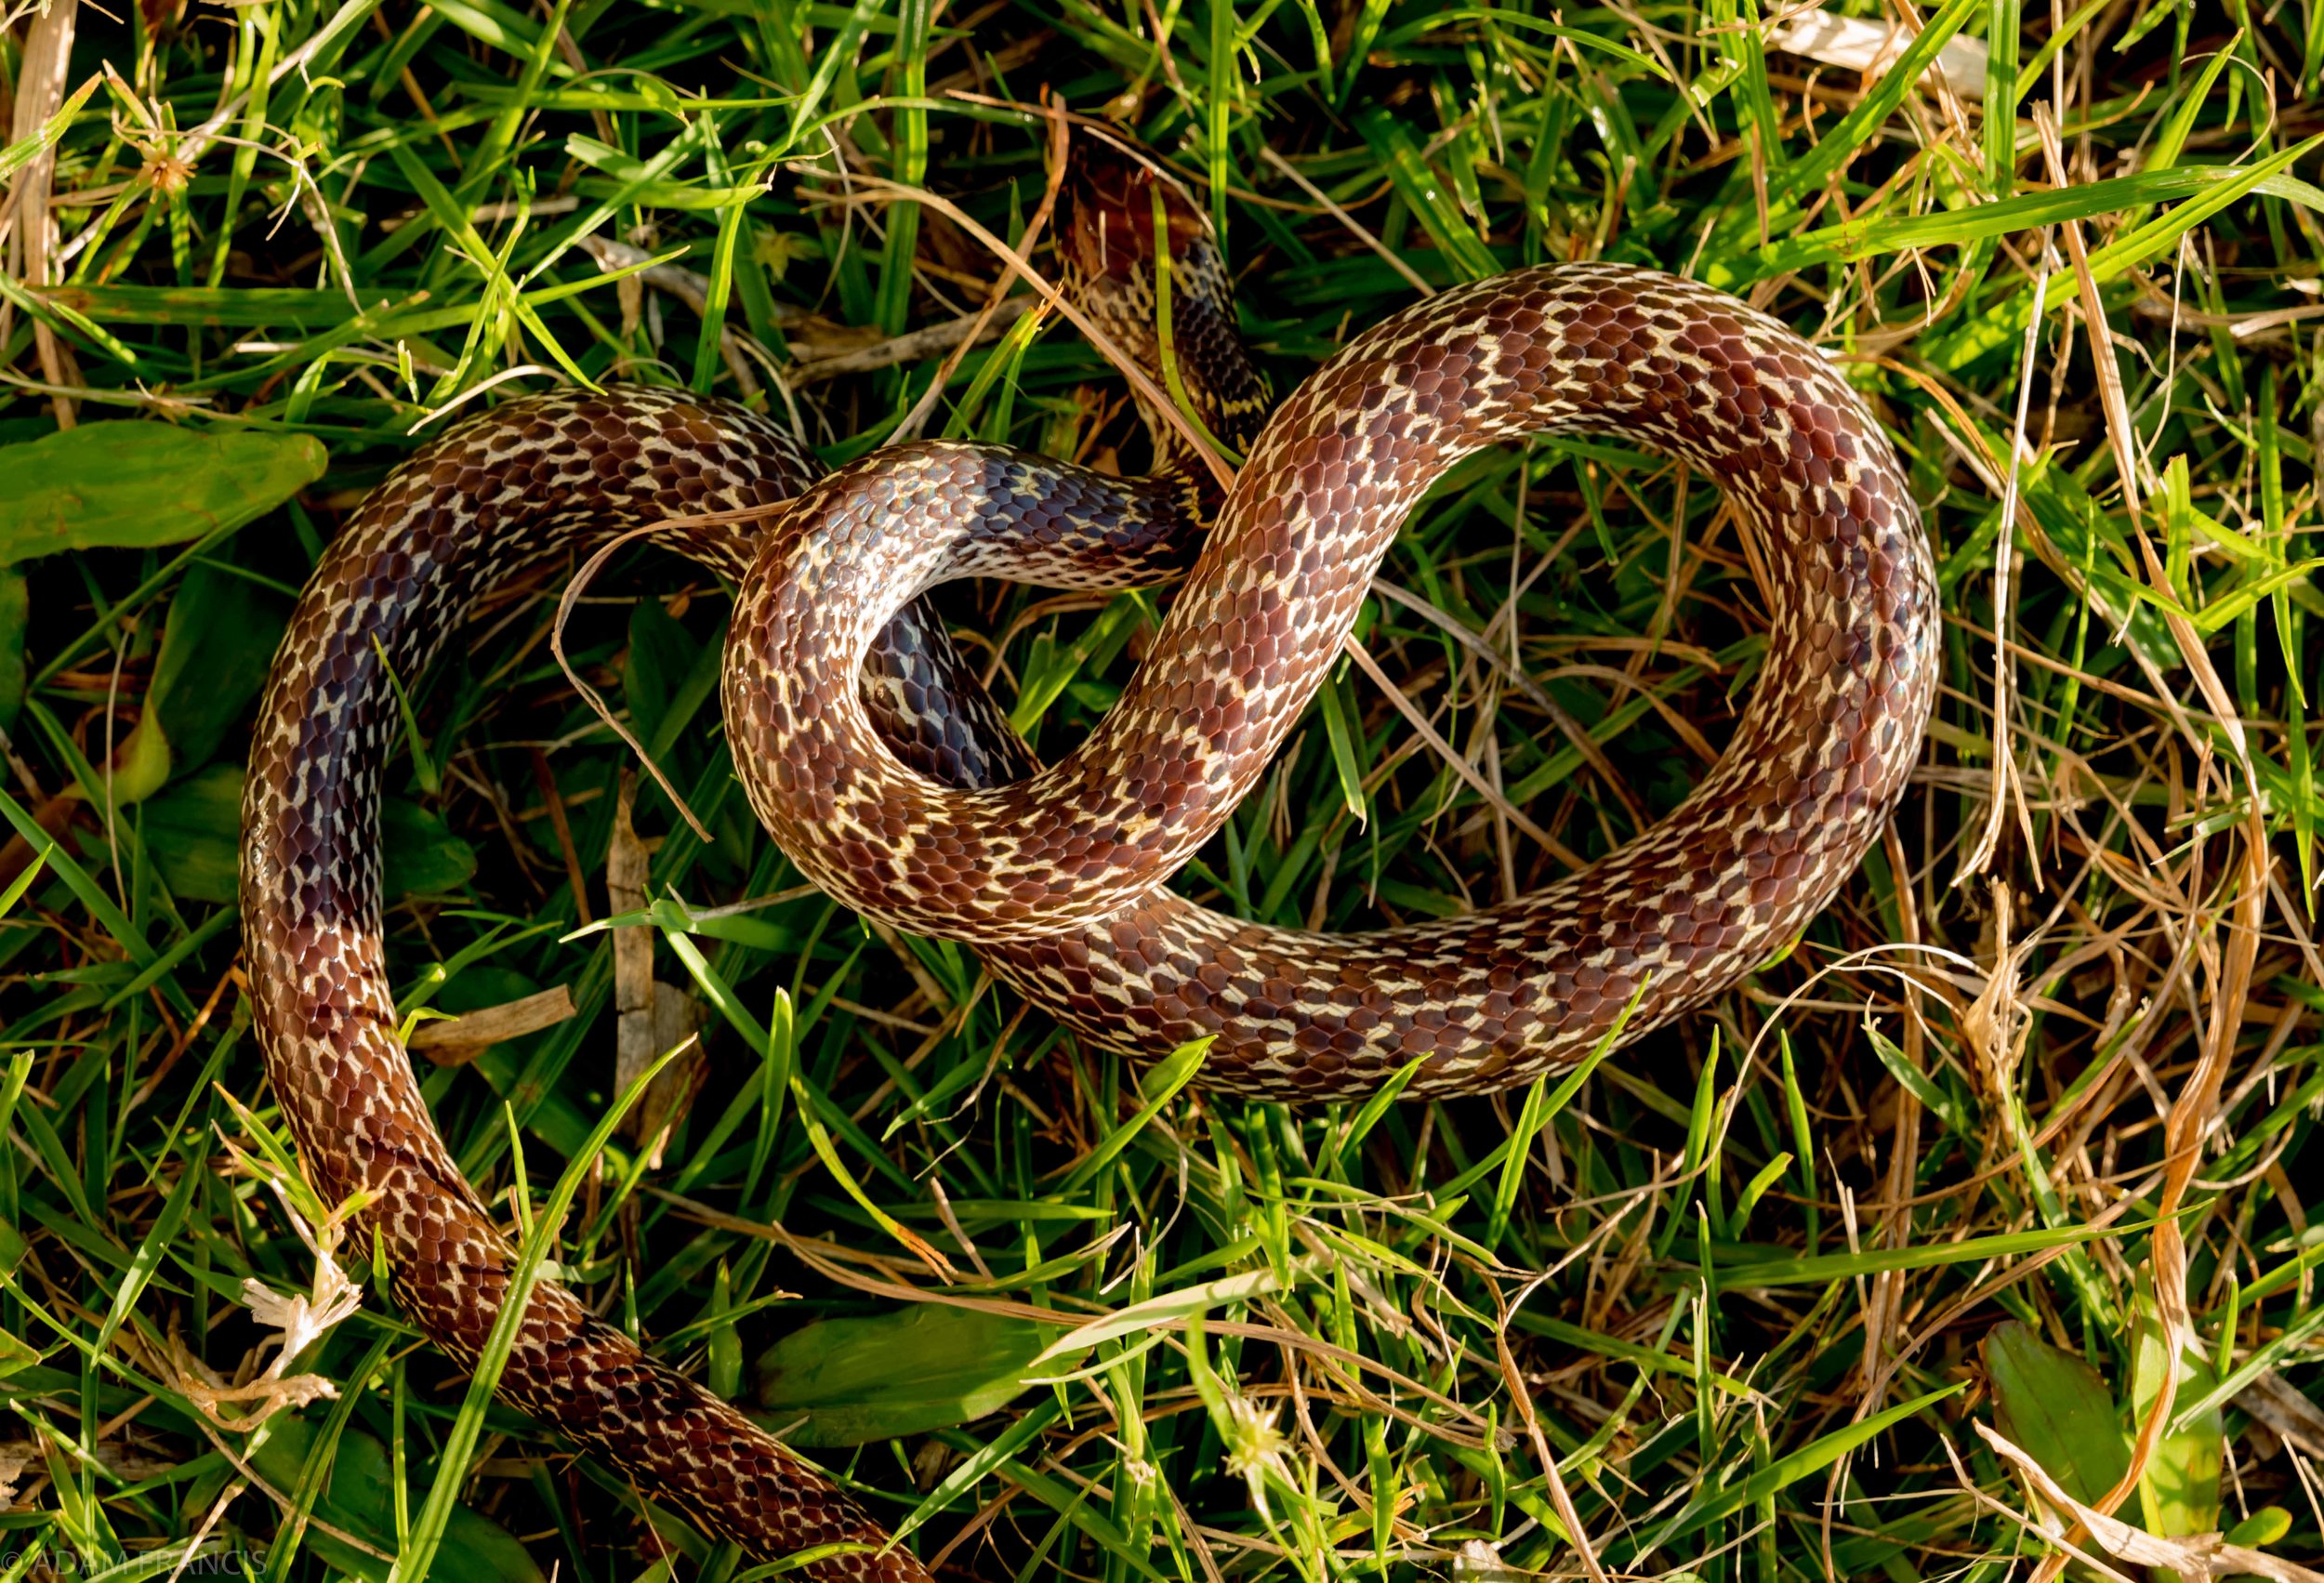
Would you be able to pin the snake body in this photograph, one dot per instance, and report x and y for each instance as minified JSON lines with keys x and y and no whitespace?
{"x":890,"y":778}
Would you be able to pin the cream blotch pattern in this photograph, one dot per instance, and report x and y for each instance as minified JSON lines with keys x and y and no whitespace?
{"x":890,"y":777}
{"x":1054,"y":875}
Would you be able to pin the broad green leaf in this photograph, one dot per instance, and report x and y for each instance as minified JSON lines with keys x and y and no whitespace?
{"x":2055,"y":1405}
{"x":140,"y":767}
{"x":857,"y":1380}
{"x":424,"y":858}
{"x":359,"y":1499}
{"x":138,"y":484}
{"x":2264,"y":1527}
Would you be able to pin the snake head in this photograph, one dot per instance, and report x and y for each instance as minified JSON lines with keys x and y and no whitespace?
{"x":1110,"y":232}
{"x":1110,"y":244}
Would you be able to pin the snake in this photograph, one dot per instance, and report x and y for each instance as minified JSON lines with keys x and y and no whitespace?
{"x":885,"y":770}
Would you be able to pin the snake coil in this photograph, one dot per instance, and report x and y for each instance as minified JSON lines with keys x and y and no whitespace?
{"x":889,"y":777}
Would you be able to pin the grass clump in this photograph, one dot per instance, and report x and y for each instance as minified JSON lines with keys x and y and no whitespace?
{"x":1989,"y":1199}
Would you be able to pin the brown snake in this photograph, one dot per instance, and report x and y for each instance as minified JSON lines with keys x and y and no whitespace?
{"x":890,"y":778}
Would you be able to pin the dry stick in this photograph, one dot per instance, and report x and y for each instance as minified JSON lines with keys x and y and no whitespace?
{"x":1460,"y":766}
{"x":554,"y":803}
{"x":457,"y":1040}
{"x":1561,"y":1499}
{"x":41,"y":89}
{"x":956,"y":336}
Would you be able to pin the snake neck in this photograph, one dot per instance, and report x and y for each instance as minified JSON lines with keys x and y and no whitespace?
{"x":1130,"y":228}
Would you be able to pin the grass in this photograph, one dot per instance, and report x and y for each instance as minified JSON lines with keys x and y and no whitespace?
{"x":1779,"y":1293}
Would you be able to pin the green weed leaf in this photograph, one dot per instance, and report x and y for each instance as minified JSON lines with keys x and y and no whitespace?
{"x":139,"y":484}
{"x":2055,"y":1405}
{"x":855,"y":1380}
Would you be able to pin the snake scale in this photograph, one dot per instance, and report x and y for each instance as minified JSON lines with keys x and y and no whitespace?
{"x":890,"y":778}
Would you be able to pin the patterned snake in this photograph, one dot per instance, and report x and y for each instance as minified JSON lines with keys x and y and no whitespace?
{"x":888,"y":775}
